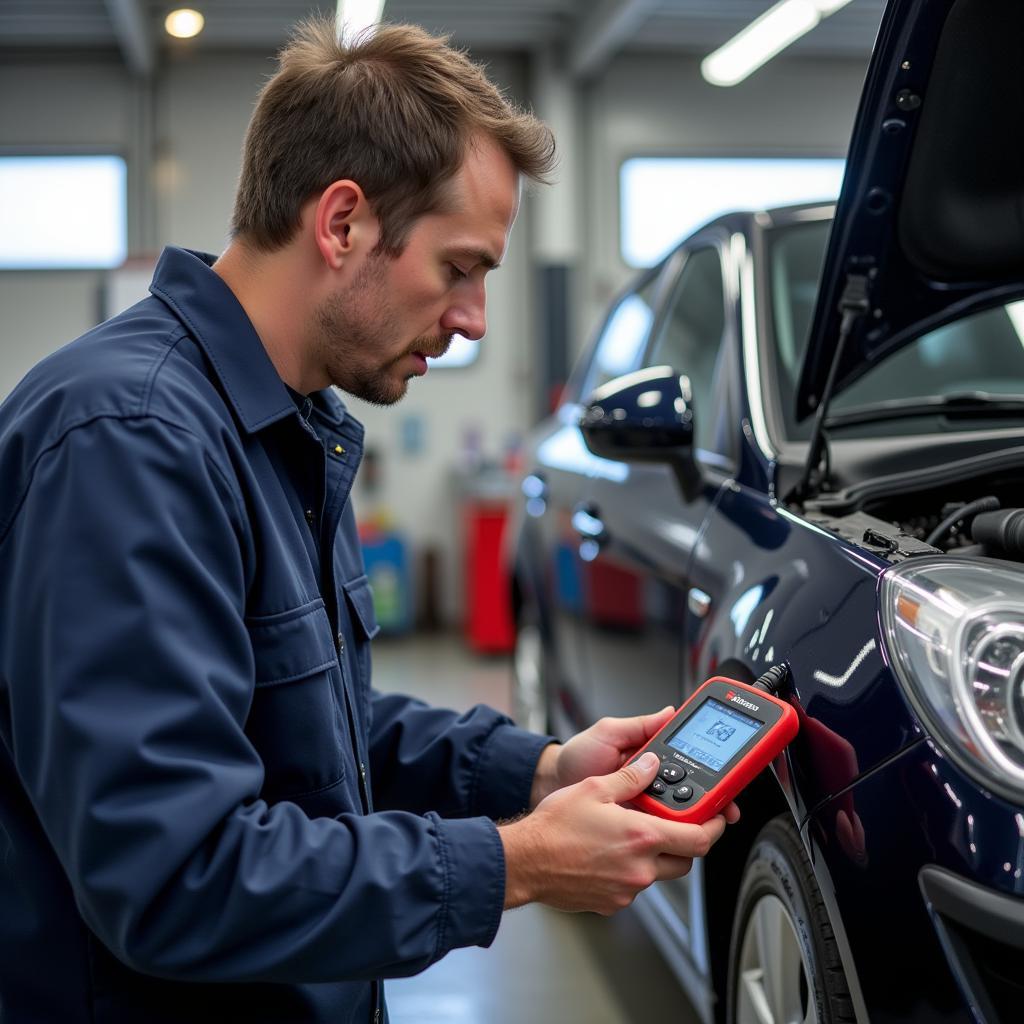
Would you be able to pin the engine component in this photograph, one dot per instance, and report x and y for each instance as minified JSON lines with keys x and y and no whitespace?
{"x":961,"y":515}
{"x":1003,"y":529}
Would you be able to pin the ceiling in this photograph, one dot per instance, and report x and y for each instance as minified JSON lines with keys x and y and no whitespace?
{"x":591,"y":31}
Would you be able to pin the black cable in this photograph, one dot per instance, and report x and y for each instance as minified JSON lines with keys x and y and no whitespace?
{"x":774,"y":679}
{"x":968,"y":511}
{"x":853,"y":304}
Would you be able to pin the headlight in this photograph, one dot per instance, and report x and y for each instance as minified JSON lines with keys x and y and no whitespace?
{"x":955,"y":636}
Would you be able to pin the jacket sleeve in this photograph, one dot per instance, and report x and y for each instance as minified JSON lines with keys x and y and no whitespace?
{"x":465,"y":764}
{"x":129,"y":675}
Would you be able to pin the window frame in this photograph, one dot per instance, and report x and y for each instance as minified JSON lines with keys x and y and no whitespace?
{"x":581,"y":382}
{"x":723,"y":389}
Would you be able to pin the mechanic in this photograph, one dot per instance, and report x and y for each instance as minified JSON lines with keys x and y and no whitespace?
{"x":205,"y":811}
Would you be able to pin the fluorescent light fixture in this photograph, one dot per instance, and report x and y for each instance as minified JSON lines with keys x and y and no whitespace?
{"x":353,"y":16}
{"x":184,"y":23}
{"x":764,"y":37}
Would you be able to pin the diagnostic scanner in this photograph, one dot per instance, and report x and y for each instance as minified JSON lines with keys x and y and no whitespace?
{"x":714,"y":745}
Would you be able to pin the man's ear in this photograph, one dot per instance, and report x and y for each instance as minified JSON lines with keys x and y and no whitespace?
{"x":344,"y":226}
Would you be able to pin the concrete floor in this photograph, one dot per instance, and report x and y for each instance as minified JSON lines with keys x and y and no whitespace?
{"x":544,"y":966}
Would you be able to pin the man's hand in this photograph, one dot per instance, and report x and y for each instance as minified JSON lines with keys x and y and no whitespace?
{"x":580,"y":850}
{"x":599,"y":750}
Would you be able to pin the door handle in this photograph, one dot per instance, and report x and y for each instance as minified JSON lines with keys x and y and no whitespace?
{"x":699,"y":602}
{"x":587,"y":523}
{"x":534,"y":487}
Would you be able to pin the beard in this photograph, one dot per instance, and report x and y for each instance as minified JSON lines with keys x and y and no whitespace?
{"x":354,"y":326}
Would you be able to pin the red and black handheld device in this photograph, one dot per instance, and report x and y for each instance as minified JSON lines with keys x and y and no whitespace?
{"x":713,"y":746}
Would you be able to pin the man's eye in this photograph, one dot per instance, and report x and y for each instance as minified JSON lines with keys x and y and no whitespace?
{"x":456,"y":273}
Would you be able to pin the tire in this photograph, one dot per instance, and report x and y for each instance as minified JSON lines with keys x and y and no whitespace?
{"x":529,"y":693}
{"x":784,"y":964}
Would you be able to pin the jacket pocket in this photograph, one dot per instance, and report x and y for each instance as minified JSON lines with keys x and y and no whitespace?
{"x":359,"y":598}
{"x":295,"y":723}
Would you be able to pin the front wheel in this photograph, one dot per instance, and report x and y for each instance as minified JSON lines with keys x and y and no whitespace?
{"x":784,"y":964}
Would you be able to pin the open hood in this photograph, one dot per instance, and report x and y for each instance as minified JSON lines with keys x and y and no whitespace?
{"x":930,"y":221}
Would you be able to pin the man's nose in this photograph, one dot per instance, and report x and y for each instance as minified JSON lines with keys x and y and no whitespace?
{"x":468,"y":316}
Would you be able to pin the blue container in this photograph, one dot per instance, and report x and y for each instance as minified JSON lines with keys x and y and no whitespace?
{"x":387,"y":566}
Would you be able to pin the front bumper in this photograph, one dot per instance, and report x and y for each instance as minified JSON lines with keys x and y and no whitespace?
{"x":926,"y":871}
{"x":982,"y":933}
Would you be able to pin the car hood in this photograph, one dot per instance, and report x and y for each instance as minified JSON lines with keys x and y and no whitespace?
{"x":931,"y":213}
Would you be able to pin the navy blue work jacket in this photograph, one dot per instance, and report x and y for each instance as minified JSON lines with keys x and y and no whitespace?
{"x":190,"y":750}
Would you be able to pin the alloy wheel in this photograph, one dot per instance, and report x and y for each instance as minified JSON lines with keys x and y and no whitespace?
{"x":773,"y":974}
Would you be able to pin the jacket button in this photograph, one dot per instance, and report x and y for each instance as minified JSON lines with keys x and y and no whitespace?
{"x":310,"y":518}
{"x":339,"y":642}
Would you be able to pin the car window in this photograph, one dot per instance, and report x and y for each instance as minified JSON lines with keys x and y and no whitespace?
{"x":690,"y":335}
{"x":983,"y":352}
{"x":797,"y":255}
{"x":621,"y":344}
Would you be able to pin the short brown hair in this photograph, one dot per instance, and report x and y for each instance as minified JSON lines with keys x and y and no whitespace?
{"x":393,"y":111}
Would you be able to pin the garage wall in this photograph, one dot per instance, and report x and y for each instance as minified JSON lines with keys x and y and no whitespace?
{"x":70,"y":106}
{"x":201,"y":108}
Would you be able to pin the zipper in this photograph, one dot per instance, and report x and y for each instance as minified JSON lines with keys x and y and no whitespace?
{"x":364,"y":793}
{"x":328,"y":593}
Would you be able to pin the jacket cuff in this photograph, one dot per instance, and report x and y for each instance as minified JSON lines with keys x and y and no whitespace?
{"x":473,"y":863}
{"x":504,"y":772}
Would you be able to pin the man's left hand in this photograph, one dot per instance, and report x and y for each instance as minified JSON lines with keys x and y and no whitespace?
{"x":599,"y":750}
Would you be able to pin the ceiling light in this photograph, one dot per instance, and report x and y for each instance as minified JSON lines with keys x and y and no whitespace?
{"x":764,"y":37}
{"x":353,"y":16}
{"x":184,"y":23}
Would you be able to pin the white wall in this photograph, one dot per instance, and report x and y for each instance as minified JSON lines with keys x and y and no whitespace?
{"x":188,"y":132}
{"x":202,"y":106}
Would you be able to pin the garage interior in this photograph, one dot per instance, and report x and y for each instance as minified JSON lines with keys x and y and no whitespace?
{"x":621,"y":84}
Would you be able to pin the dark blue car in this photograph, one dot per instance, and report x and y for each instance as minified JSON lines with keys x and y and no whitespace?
{"x":798,"y":440}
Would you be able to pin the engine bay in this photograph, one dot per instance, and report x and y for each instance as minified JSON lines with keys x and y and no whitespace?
{"x":976,"y":518}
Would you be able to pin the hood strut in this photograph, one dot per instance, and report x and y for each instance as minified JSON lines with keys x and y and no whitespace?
{"x":853,"y":304}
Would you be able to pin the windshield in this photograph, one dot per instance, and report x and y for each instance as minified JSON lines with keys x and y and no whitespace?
{"x":982,"y":353}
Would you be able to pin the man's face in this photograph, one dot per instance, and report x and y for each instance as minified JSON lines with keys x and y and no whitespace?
{"x":376,"y":333}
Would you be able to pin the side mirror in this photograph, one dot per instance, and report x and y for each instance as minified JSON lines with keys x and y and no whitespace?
{"x":645,"y":416}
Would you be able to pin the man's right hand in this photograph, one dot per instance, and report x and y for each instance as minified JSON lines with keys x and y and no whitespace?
{"x":580,"y":850}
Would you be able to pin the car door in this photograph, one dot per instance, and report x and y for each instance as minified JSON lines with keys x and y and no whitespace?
{"x":637,"y":533}
{"x":559,"y":474}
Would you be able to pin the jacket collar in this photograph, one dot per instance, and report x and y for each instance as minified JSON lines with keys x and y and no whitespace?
{"x":205,"y":304}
